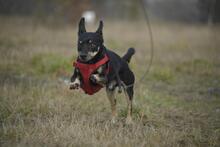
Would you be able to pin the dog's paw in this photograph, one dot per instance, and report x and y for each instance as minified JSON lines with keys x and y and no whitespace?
{"x":75,"y":84}
{"x":129,"y":121}
{"x":113,"y":120}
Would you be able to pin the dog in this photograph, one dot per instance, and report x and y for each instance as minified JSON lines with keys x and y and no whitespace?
{"x":91,"y":50}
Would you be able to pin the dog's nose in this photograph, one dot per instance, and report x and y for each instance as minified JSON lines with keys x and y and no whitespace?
{"x":83,"y":56}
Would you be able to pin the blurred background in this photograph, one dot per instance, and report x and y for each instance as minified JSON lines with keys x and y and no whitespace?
{"x":69,"y":11}
{"x":177,"y":104}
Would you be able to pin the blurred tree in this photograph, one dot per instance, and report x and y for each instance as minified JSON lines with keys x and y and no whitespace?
{"x":209,"y":11}
{"x":175,"y":10}
{"x":115,"y":9}
{"x":73,"y":9}
{"x":70,"y":10}
{"x":204,"y":9}
{"x":216,"y":17}
{"x":217,"y":12}
{"x":23,"y":7}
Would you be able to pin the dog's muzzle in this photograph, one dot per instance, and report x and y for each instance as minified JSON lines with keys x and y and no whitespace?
{"x":83,"y":57}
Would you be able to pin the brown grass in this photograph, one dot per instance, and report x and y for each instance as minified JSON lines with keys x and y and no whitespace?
{"x":177,"y":105}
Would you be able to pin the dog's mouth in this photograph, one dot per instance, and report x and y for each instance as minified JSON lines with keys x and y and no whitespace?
{"x":83,"y":57}
{"x":88,"y":56}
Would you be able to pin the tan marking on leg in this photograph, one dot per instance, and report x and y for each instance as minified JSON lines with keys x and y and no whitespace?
{"x":111,"y":97}
{"x":129,"y":108}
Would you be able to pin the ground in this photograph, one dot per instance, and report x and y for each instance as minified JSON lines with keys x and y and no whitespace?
{"x":177,"y":104}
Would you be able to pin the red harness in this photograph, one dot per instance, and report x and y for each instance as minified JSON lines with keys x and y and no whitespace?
{"x":86,"y":71}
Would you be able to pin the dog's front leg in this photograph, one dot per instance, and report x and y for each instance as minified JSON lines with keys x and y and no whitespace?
{"x":75,"y":84}
{"x":75,"y":81}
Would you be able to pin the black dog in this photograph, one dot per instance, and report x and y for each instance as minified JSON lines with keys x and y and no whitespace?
{"x":91,"y":50}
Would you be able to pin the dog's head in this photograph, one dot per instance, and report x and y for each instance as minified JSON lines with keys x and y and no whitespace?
{"x":89,"y":43}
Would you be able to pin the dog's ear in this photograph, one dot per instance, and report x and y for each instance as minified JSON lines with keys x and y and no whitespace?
{"x":99,"y":30}
{"x":82,"y":28}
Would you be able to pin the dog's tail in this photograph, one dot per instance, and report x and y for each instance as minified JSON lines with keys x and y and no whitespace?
{"x":128,"y":55}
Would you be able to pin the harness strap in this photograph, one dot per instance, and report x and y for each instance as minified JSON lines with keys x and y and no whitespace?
{"x":87,"y":70}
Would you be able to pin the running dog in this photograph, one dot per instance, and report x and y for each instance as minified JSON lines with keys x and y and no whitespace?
{"x":97,"y":66}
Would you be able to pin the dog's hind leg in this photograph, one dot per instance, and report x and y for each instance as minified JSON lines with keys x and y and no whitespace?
{"x":119,"y":82}
{"x":129,"y":97}
{"x":111,"y":97}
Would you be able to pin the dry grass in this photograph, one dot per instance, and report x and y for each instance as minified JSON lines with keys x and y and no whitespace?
{"x":178,"y":104}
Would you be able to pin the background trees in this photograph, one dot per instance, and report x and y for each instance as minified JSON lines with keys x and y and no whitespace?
{"x":69,"y":10}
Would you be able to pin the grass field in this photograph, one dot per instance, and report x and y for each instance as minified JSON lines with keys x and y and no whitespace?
{"x":178,"y":104}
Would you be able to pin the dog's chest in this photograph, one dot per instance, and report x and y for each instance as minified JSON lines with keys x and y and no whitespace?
{"x":86,"y":70}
